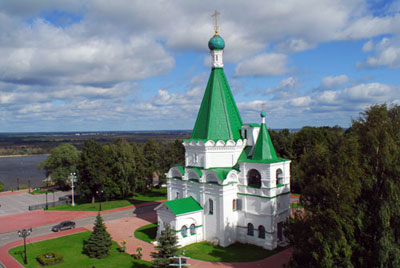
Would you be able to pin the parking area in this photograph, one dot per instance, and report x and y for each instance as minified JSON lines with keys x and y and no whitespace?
{"x":20,"y":202}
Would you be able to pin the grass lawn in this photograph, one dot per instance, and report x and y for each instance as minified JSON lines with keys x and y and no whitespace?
{"x":234,"y":253}
{"x":147,"y":233}
{"x":71,"y":248}
{"x":148,"y":196}
{"x":296,"y":205}
{"x":41,"y":191}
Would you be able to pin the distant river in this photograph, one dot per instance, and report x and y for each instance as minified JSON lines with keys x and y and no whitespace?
{"x":23,"y":168}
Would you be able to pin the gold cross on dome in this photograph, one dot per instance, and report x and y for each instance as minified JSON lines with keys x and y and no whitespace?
{"x":215,"y":15}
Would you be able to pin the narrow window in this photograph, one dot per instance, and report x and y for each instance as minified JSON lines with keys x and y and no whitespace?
{"x":261,"y":232}
{"x":192,"y":229}
{"x":239,"y":204}
{"x":254,"y":178}
{"x":210,"y":206}
{"x":250,"y":229}
{"x":184,"y":231}
{"x":234,"y":204}
{"x":279,"y":177}
{"x":177,"y":195}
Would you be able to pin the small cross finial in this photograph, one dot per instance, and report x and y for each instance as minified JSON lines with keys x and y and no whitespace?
{"x":215,"y":15}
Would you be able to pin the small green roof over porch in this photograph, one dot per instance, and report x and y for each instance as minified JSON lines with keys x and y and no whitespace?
{"x":183,"y":205}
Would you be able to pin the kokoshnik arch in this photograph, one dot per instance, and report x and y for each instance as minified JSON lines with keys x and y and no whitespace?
{"x":233,"y":186}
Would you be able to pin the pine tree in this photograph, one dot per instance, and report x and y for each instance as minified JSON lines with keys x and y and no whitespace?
{"x":99,"y":243}
{"x":167,"y":247}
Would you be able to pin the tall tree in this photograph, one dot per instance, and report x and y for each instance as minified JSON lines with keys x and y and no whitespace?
{"x":122,"y":166}
{"x":324,"y":235}
{"x":1,"y":186}
{"x":139,"y":169}
{"x":99,"y":243}
{"x":173,"y":153}
{"x":167,"y":247}
{"x":92,"y":169}
{"x":63,"y":160}
{"x":378,"y":132}
{"x":152,"y":155}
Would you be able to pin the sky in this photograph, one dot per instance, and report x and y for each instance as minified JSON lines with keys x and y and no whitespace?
{"x":143,"y":65}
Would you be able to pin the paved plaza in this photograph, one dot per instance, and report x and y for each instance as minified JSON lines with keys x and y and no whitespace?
{"x":17,"y":202}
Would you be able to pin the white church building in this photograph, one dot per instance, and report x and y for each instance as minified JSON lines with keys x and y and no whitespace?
{"x":233,"y":186}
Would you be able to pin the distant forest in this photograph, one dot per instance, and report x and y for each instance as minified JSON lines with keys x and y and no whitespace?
{"x":43,"y":143}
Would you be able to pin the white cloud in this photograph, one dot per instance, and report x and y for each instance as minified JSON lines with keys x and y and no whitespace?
{"x":368,"y":46}
{"x":263,"y":64}
{"x":387,"y":54}
{"x":329,"y":82}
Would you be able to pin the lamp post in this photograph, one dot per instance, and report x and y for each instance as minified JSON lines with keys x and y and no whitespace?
{"x":47,"y":205}
{"x":100,"y":194}
{"x":24,"y":234}
{"x":73,"y":178}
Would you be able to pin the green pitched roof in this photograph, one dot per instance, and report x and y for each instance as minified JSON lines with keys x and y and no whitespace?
{"x":244,"y":157}
{"x":218,"y":117}
{"x":183,"y":205}
{"x":264,"y":149}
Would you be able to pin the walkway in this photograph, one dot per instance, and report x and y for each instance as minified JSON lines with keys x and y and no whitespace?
{"x":123,"y":229}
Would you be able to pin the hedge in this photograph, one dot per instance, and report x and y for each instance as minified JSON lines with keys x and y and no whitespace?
{"x":50,"y":258}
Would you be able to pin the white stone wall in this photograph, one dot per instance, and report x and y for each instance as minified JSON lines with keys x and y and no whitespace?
{"x":213,"y":154}
{"x":266,"y":206}
{"x":251,"y":134}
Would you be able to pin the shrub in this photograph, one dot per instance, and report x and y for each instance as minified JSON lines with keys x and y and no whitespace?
{"x":50,"y":258}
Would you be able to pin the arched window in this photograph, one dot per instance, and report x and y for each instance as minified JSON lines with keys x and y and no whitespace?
{"x":177,"y":195}
{"x":184,"y":231}
{"x":279,"y":177}
{"x":210,"y":206}
{"x":261,"y":232}
{"x":234,"y":204}
{"x":192,"y":229}
{"x":250,"y":229}
{"x":254,"y":178}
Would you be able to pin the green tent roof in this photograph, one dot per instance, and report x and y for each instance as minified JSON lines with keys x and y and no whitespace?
{"x":244,"y":157}
{"x":264,"y":148}
{"x":183,"y":205}
{"x":218,"y":117}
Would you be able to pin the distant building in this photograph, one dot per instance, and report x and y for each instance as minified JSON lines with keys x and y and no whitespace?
{"x":233,"y":187}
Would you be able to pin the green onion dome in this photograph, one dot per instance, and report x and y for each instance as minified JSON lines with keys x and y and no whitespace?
{"x":262,"y":114}
{"x":216,"y":43}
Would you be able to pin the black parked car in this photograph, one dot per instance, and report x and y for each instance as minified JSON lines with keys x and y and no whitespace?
{"x":64,"y":225}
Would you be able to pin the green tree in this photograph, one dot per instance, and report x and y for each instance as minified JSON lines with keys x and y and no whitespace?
{"x":378,"y":133}
{"x":1,"y":186}
{"x":173,"y":153}
{"x":152,"y":156}
{"x":63,"y":160}
{"x":92,"y":169}
{"x":139,"y":169}
{"x":122,"y":166}
{"x":99,"y":242}
{"x":324,"y":235}
{"x":167,"y":247}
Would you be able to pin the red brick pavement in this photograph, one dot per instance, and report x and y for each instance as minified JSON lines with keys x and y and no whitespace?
{"x":13,"y":193}
{"x":13,"y":222}
{"x":123,"y":229}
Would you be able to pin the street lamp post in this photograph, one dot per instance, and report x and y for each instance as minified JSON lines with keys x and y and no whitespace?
{"x":73,"y":178}
{"x":47,"y":205}
{"x":100,"y":194}
{"x":24,"y":234}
